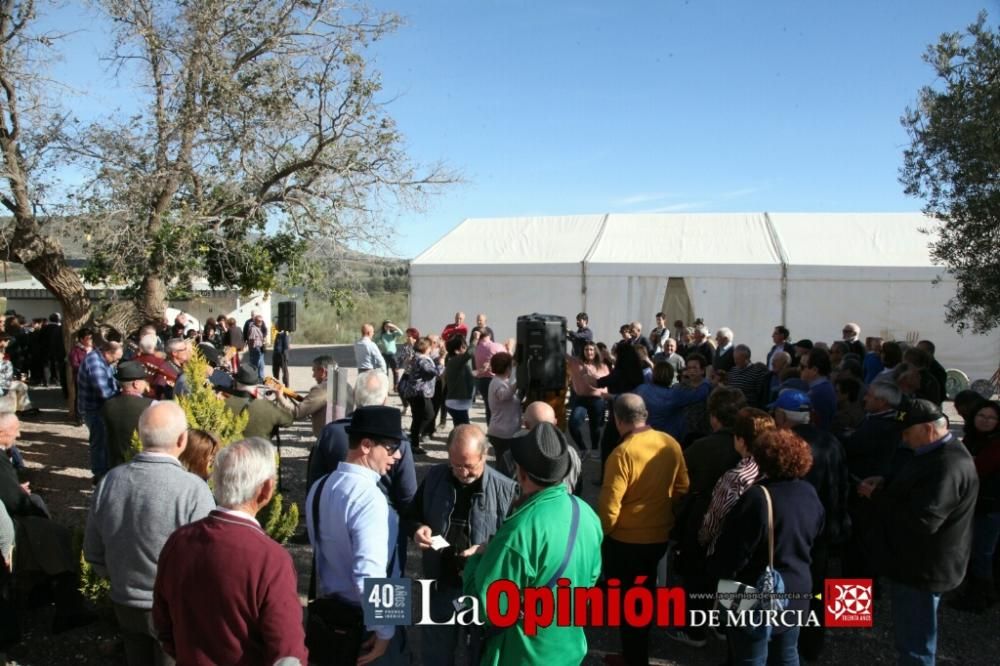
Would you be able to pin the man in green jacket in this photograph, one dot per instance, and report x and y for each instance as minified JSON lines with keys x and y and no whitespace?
{"x":532,"y":546}
{"x":264,"y":415}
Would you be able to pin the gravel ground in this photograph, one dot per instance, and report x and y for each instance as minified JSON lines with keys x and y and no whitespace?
{"x":56,"y":454}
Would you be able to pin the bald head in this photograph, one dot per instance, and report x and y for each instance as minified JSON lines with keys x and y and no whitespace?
{"x":467,"y":437}
{"x":539,"y":412}
{"x":10,"y":429}
{"x":631,"y":410}
{"x":163,"y":428}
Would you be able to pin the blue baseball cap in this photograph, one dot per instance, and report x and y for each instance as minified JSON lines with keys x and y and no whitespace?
{"x":791,"y":401}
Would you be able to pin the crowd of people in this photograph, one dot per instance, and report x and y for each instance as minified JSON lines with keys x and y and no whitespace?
{"x":818,"y":460}
{"x":844,"y":445}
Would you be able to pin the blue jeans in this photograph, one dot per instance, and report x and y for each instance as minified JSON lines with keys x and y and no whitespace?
{"x":592,"y":409}
{"x":98,"y":443}
{"x":914,"y":623}
{"x":985,"y":534}
{"x":257,"y":361}
{"x":754,"y":648}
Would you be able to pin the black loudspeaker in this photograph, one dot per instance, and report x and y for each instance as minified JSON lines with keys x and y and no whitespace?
{"x":541,"y":352}
{"x":286,"y":316}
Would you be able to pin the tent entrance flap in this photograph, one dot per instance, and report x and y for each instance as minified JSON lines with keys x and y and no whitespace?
{"x":677,"y":301}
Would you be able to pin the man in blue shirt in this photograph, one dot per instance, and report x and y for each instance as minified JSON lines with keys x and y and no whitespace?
{"x":358,"y":529}
{"x":400,"y":484}
{"x":366,"y":352}
{"x":815,"y":370}
{"x":95,"y":384}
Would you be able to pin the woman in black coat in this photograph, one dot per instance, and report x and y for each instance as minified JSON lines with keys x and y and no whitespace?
{"x":741,"y":552}
{"x":625,"y":376}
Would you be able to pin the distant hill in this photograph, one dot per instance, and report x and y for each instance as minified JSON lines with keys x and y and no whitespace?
{"x":346,"y":268}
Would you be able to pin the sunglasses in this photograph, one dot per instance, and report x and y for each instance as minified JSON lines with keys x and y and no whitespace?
{"x":391,"y":447}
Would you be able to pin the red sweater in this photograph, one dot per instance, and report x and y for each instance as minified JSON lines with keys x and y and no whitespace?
{"x":226,"y":594}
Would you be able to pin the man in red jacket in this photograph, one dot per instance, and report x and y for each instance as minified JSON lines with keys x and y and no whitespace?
{"x":225,"y":591}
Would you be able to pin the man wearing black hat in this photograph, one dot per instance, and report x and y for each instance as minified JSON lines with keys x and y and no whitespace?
{"x":267,"y":409}
{"x":922,"y":536}
{"x":548,"y":532}
{"x":121,"y":413}
{"x":358,"y":530}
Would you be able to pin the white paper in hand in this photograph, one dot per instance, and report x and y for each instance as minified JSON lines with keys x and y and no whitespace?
{"x":438,"y":542}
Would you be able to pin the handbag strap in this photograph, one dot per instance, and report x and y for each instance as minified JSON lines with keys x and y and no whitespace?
{"x":317,"y":496}
{"x":573,"y":526}
{"x":770,"y":527}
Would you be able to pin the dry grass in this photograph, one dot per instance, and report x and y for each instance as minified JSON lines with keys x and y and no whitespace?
{"x":320,"y":323}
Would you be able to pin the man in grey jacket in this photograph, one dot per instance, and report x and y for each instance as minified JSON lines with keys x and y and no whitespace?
{"x":135,"y":508}
{"x":463,"y":501}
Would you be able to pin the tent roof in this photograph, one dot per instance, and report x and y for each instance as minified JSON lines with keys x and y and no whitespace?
{"x":719,"y":245}
{"x":548,"y":245}
{"x":862,"y":246}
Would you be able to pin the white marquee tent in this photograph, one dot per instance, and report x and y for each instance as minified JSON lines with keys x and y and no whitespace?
{"x":749,"y":271}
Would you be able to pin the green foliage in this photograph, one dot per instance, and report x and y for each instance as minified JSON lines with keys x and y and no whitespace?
{"x":275,"y":141}
{"x":952,"y":163}
{"x":321,"y":323}
{"x":134,"y":447}
{"x":277,"y":521}
{"x":205,"y":411}
{"x":93,"y":587}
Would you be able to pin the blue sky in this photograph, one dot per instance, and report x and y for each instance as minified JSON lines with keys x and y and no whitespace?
{"x":590,"y":107}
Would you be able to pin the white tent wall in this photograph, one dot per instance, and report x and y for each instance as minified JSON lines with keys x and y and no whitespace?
{"x":504,"y":267}
{"x":901,"y":310}
{"x":751,"y":308}
{"x":874,"y":269}
{"x":616,"y":300}
{"x":434,"y":300}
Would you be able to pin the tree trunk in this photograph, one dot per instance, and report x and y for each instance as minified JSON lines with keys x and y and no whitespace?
{"x":152,"y":300}
{"x":44,"y":259}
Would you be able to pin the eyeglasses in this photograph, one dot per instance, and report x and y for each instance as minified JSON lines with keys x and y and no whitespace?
{"x":391,"y":447}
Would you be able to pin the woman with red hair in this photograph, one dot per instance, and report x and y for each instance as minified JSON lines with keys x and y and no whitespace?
{"x":742,"y":551}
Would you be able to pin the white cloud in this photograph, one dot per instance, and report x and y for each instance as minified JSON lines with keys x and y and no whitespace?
{"x":677,"y":207}
{"x":643,"y":197}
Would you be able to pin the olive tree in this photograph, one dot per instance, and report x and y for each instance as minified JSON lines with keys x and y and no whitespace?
{"x":953,"y":163}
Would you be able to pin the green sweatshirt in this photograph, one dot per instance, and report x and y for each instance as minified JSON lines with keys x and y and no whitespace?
{"x":528,"y":549}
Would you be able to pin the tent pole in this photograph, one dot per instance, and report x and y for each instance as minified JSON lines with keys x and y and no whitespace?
{"x":782,"y":257}
{"x":586,"y":260}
